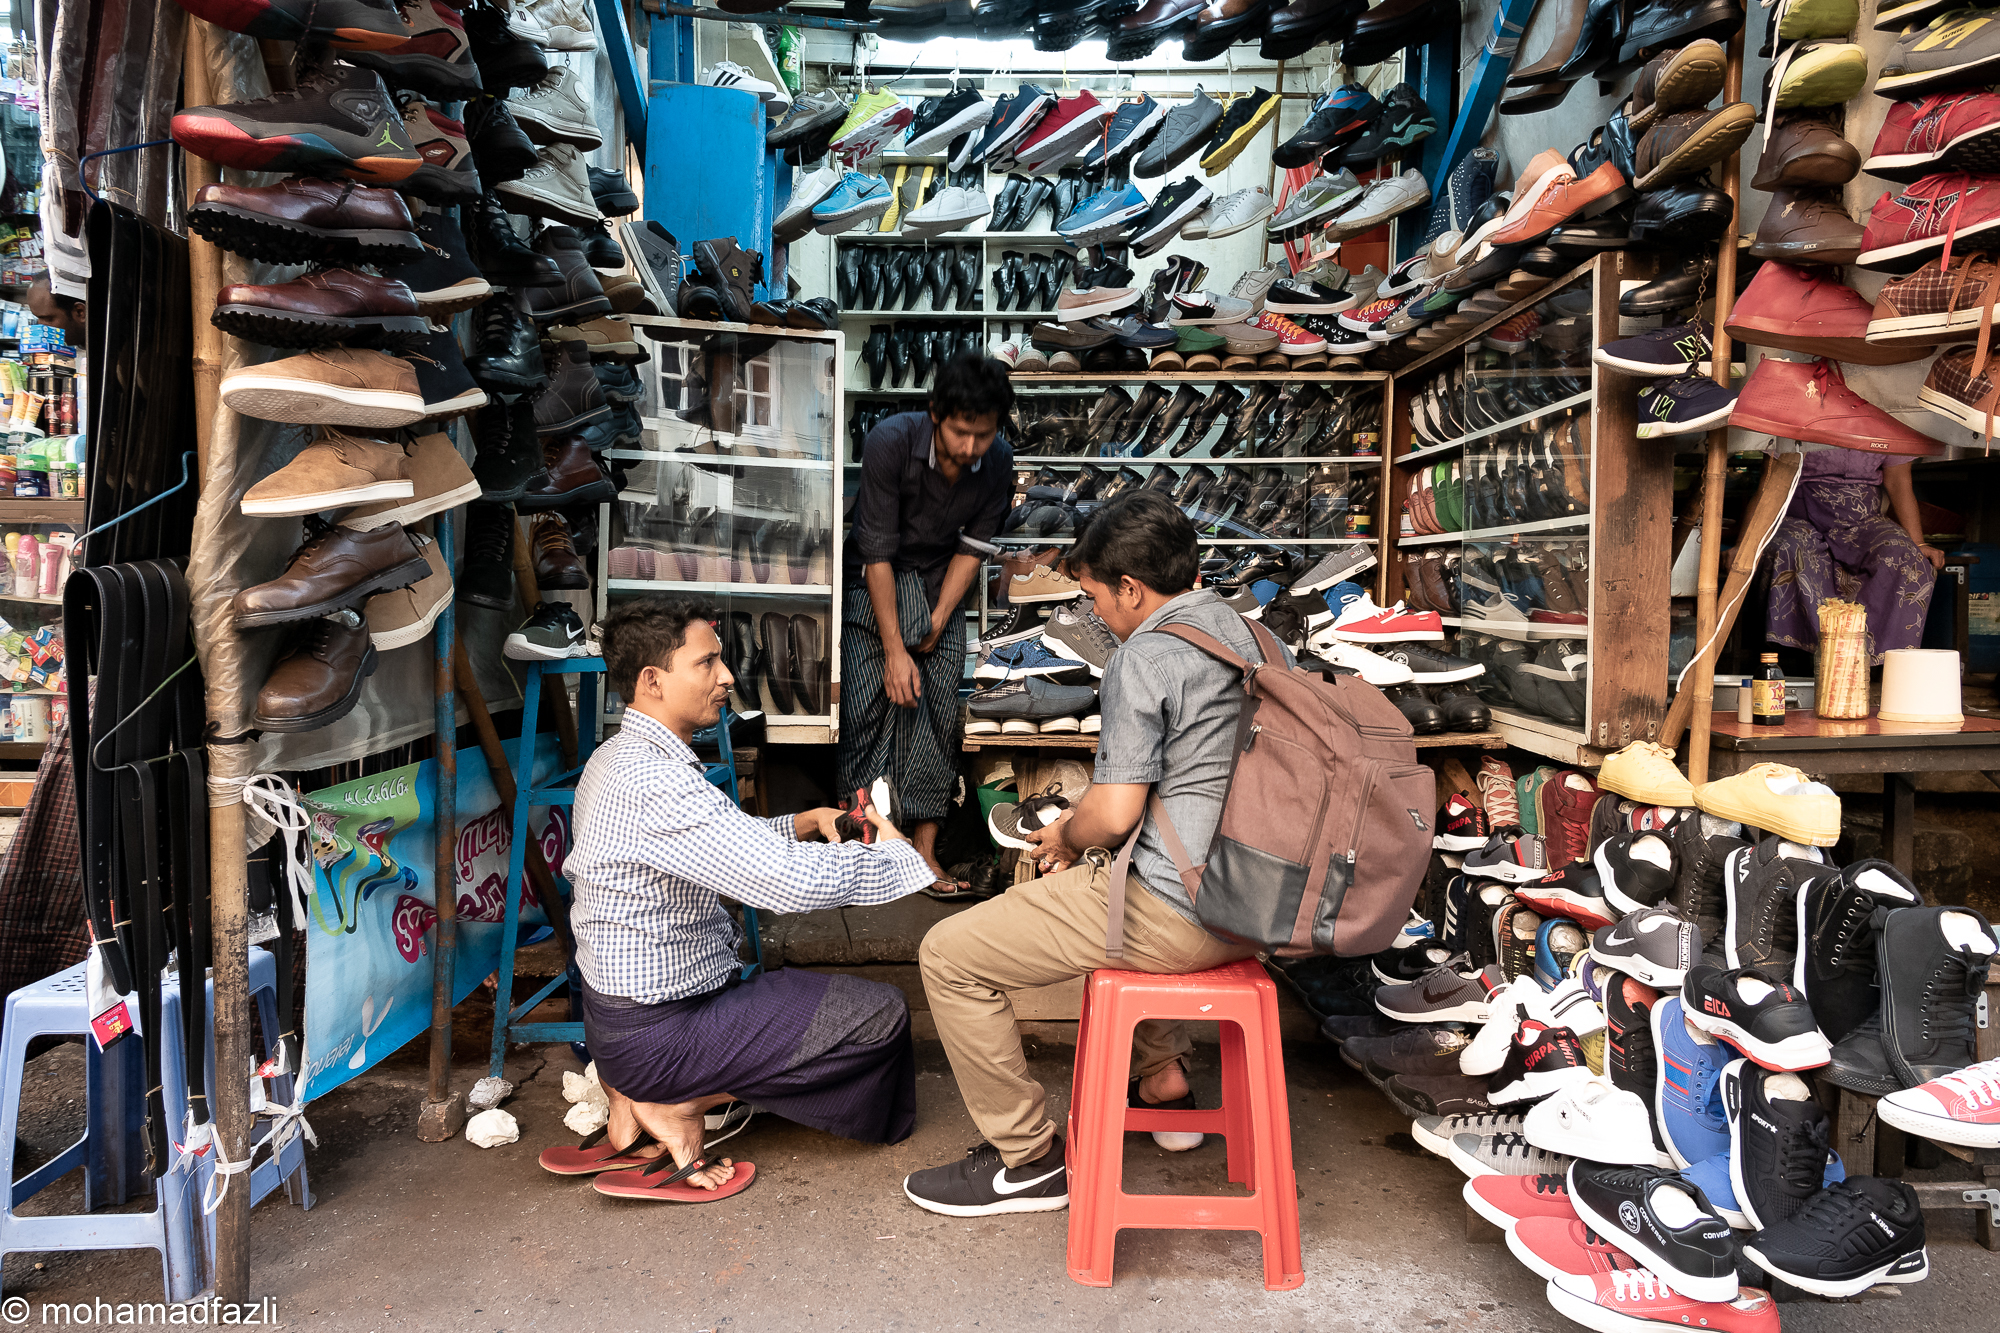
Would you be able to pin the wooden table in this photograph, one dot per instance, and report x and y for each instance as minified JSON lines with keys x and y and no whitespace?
{"x":1867,"y":745}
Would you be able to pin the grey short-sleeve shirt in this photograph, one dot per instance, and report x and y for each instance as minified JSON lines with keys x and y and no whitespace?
{"x":1170,"y":715}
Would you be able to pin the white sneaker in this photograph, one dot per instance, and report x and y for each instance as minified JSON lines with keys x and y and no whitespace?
{"x":566,"y":23}
{"x":1385,"y":199}
{"x":797,"y":219}
{"x":554,"y":107}
{"x":1229,"y":214}
{"x":1518,"y":999}
{"x":1595,"y":1121}
{"x":729,"y":74}
{"x":954,"y":209}
{"x":1376,"y":669}
{"x":1093,"y":725}
{"x":1252,"y":285}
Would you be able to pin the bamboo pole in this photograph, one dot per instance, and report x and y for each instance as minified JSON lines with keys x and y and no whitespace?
{"x":443,"y":1112}
{"x":1714,"y":470}
{"x":228,"y":871}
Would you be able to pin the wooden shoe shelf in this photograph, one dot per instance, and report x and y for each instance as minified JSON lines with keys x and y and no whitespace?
{"x":1622,"y":539}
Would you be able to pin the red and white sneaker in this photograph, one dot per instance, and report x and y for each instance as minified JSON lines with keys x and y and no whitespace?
{"x":1513,"y":335}
{"x":1932,"y":134}
{"x":1497,"y":794}
{"x":1961,"y":1108}
{"x":1462,"y":826}
{"x":1372,"y":315}
{"x":1909,"y":228}
{"x":1552,"y":1245}
{"x":1505,"y":1200}
{"x":1292,"y":340}
{"x":1361,"y":621}
{"x":1635,"y":1299}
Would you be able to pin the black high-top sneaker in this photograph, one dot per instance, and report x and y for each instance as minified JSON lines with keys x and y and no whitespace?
{"x":1760,"y":888}
{"x":486,"y":575}
{"x":501,"y":254}
{"x":733,"y":271}
{"x":1933,"y":962}
{"x":507,"y":356}
{"x":340,"y":121}
{"x":501,"y":149}
{"x":1837,"y":943}
{"x":1698,"y":862}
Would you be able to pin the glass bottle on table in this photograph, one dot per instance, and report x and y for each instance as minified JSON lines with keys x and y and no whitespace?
{"x":1767,"y":693}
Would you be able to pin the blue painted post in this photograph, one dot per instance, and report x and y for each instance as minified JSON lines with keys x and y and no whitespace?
{"x":624,"y":67}
{"x":703,"y":145}
{"x":1488,"y":75}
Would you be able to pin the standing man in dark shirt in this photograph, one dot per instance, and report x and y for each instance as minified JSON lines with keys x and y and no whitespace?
{"x":927,"y":478}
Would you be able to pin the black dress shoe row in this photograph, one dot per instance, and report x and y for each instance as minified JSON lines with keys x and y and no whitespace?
{"x":1023,"y":281}
{"x":789,"y":663}
{"x":901,"y":353}
{"x":1023,"y":198}
{"x":885,"y":278}
{"x":1558,"y":691}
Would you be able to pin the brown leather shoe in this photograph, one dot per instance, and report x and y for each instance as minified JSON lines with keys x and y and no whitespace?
{"x":557,"y":565}
{"x":319,"y":677}
{"x":574,"y":398}
{"x":1683,"y":144}
{"x":1807,"y":227}
{"x":1164,"y":16}
{"x":1682,"y":79}
{"x":806,"y":639}
{"x":778,"y":668}
{"x":333,"y":305}
{"x":307,"y":221}
{"x":581,"y":295}
{"x":439,"y":479}
{"x":334,"y":471}
{"x":1806,"y":151}
{"x":335,"y":567}
{"x":570,"y":476}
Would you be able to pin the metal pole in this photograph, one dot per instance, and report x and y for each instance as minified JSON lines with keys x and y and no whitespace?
{"x":443,"y":1112}
{"x":1703,"y":682}
{"x":228,"y":872}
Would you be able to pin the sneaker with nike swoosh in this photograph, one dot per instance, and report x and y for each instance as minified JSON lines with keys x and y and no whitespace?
{"x":980,"y":1184}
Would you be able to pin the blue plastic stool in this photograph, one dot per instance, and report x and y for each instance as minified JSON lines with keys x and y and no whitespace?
{"x":59,"y":1006}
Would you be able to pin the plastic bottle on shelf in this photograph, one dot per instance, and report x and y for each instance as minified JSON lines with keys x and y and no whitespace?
{"x":27,"y":566}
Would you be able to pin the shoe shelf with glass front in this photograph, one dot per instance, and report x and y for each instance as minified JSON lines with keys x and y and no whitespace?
{"x":1531,"y":517}
{"x":33,"y":684}
{"x":734,"y":497}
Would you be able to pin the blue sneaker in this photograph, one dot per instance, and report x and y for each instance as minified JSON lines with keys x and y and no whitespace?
{"x":1468,"y":186}
{"x":1557,"y":942}
{"x":1029,"y":657}
{"x":857,"y":196}
{"x":1104,"y":215}
{"x":1690,"y":1112}
{"x":1340,"y":594}
{"x":1712,"y":1178}
{"x":1264,"y":590}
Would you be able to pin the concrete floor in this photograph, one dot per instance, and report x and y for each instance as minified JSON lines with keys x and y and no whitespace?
{"x":410,"y":1235}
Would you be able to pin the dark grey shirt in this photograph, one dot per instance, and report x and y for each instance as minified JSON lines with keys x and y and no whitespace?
{"x":907,"y":513}
{"x":1170,"y":715}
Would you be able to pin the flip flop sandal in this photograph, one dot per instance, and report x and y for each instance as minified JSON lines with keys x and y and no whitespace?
{"x":594,"y":1155}
{"x":653,"y":1182}
{"x":952,"y":891}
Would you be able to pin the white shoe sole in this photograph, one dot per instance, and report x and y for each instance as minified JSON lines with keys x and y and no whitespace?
{"x":1078,"y":314}
{"x":470,"y":401}
{"x":414,"y":632}
{"x":1446,"y":842}
{"x":1653,"y":430}
{"x":1048,"y":1205}
{"x":877,"y":126}
{"x":287,"y":398}
{"x":581,"y":134}
{"x":292,"y":506}
{"x":1066,"y":142}
{"x":937,"y":139}
{"x":419,"y":507}
{"x":1640,"y":969}
{"x":829,"y":223}
{"x":1478,"y":1204}
{"x":1061,"y":649}
{"x":1217,"y":231}
{"x":1507,"y":872}
{"x":521,"y":650}
{"x":461,"y":296}
{"x":1005,"y":839}
{"x":543,"y":204}
{"x":1534,"y":1087}
{"x":1849,"y":1286}
{"x":1346,"y":635}
{"x":1479,"y":1011}
{"x":1105,"y":227}
{"x":1938,"y":1128}
{"x":1802,"y":1051}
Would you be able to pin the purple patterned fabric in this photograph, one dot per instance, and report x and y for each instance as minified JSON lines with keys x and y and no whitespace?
{"x":1835,"y":542}
{"x":828,"y":1050}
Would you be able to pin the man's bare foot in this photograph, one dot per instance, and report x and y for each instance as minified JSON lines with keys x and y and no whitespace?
{"x":1164,"y":1085}
{"x":924,"y":839}
{"x":679,"y":1127}
{"x":623,"y":1126}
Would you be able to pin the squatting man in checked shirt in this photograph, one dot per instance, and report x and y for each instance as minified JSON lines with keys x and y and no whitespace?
{"x":671,"y":1025}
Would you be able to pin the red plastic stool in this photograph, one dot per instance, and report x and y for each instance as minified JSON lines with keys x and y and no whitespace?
{"x":1252,"y":1119}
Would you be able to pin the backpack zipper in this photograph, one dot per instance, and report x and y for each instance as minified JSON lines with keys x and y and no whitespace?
{"x":1367,"y":790}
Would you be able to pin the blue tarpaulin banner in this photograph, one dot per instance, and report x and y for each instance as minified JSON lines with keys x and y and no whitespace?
{"x":369,"y":961}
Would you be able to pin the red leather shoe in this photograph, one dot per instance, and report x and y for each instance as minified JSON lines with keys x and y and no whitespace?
{"x":1809,"y":401}
{"x":1806,"y":310}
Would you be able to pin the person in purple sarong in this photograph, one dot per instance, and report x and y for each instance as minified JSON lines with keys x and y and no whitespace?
{"x":1836,"y":519}
{"x":671,"y":1023}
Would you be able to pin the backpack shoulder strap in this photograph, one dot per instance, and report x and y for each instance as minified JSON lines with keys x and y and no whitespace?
{"x":1218,"y":650}
{"x":1121,"y":866}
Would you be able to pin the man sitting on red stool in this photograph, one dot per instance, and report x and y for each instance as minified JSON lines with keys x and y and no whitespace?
{"x":1170,"y":715}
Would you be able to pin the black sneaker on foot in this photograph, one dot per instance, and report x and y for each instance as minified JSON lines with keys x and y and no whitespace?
{"x":981,"y":1185}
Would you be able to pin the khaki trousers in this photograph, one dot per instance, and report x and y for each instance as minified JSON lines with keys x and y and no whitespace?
{"x":1036,"y":934}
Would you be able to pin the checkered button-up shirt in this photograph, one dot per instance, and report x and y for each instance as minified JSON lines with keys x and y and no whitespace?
{"x":656,"y":842}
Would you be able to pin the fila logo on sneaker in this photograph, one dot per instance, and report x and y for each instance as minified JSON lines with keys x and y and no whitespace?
{"x":1712,"y":1004}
